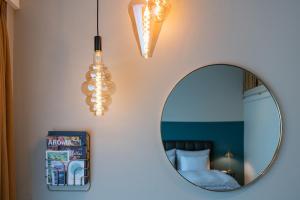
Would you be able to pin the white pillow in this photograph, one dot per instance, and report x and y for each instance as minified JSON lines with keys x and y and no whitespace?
{"x":189,"y":163}
{"x":193,"y":160}
{"x":171,"y":154}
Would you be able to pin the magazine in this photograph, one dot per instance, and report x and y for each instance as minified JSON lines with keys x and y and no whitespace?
{"x":70,"y":141}
{"x":67,"y":157}
{"x":76,"y":172}
{"x":56,"y":162}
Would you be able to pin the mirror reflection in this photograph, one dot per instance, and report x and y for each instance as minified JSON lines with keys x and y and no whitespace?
{"x":221,"y":127}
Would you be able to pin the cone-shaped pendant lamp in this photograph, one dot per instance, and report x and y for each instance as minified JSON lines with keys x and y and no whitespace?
{"x":98,"y":86}
{"x":147,"y":17}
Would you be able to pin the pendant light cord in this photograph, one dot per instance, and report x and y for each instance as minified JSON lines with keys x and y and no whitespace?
{"x":97,"y":38}
{"x":97,"y":17}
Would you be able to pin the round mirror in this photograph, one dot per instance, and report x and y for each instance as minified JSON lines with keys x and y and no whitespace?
{"x":221,"y":127}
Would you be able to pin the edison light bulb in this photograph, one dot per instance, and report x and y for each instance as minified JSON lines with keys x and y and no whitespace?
{"x":98,"y":86}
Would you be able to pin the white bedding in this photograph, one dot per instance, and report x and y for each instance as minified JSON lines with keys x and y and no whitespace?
{"x":211,"y":179}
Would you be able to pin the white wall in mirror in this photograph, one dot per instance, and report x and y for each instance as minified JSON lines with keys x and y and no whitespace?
{"x":261,"y":124}
{"x":223,"y":103}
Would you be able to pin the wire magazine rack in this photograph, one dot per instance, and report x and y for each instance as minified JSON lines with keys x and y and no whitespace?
{"x":70,"y":176}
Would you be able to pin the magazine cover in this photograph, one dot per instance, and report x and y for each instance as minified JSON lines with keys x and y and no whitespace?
{"x":58,"y":173}
{"x":76,"y":173}
{"x":75,"y":153}
{"x":76,"y":143}
{"x":82,"y":135}
{"x":56,"y":162}
{"x":70,"y":141}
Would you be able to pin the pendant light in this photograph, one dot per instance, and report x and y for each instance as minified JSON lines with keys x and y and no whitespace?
{"x":98,"y":86}
{"x":147,"y":17}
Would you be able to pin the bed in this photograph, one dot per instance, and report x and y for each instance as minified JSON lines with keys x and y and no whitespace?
{"x":207,"y":177}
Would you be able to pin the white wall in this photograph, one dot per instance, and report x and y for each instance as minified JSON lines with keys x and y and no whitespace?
{"x":211,"y":94}
{"x":53,"y":48}
{"x":261,"y":131}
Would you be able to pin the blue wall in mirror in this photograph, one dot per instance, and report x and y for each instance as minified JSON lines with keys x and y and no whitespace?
{"x":226,"y":136}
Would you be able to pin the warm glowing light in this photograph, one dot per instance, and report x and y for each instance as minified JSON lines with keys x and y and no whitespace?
{"x":147,"y":17}
{"x":98,"y":86}
{"x":146,"y":30}
{"x":160,"y":9}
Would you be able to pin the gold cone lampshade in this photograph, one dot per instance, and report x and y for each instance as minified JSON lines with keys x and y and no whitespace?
{"x":147,"y":17}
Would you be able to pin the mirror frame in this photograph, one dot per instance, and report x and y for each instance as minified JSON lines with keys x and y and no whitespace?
{"x":276,"y":153}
